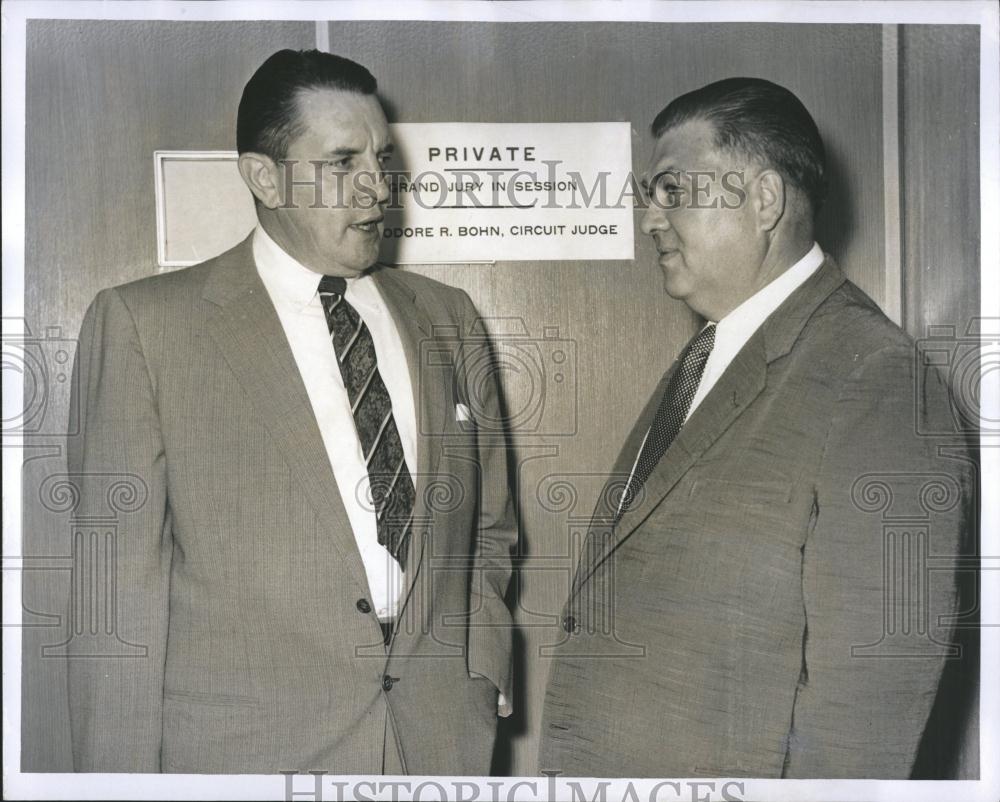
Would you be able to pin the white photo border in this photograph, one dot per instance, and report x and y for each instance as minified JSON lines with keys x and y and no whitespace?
{"x":15,"y":15}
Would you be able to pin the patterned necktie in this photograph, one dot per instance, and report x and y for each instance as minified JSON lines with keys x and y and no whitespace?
{"x":670,"y":414}
{"x":392,"y":489}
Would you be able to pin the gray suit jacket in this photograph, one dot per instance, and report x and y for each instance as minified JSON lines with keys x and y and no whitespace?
{"x":238,"y":576}
{"x":776,"y":602}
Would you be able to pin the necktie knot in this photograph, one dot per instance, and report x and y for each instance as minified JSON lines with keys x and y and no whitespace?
{"x":703,"y":342}
{"x":335,"y":285}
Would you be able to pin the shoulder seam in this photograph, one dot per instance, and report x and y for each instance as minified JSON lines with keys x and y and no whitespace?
{"x":138,"y":338}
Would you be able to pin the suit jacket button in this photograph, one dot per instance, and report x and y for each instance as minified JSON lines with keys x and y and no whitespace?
{"x":363,"y":605}
{"x":570,"y":625}
{"x":387,"y":683}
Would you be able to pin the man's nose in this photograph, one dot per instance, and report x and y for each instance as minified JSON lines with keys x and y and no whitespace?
{"x":653,"y":219}
{"x":373,"y":184}
{"x":382,"y":187}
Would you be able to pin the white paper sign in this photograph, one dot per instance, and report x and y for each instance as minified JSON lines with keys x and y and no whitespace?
{"x":475,"y":192}
{"x":202,"y":205}
{"x":461,"y":192}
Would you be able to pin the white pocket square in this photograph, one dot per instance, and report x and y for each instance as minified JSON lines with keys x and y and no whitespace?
{"x":462,"y":414}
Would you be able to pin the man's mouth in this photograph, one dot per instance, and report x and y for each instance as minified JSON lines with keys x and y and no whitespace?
{"x":664,"y":250}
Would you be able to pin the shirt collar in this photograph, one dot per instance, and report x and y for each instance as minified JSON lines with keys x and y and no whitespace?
{"x":287,"y":279}
{"x":751,"y":314}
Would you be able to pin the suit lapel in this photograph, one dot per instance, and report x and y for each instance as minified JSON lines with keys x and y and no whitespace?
{"x":600,"y":522}
{"x":415,"y":329}
{"x":738,"y":386}
{"x":743,"y":380}
{"x":741,"y":383}
{"x":246,"y":329}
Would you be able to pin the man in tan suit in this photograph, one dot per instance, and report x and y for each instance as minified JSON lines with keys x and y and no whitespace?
{"x":316,"y":577}
{"x":745,"y":605}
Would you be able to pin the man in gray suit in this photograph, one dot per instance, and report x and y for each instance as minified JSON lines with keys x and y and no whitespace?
{"x":317,"y":575}
{"x":741,"y":607}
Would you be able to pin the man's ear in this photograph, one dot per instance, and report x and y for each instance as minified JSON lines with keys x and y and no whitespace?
{"x":263,"y":177}
{"x":770,"y":199}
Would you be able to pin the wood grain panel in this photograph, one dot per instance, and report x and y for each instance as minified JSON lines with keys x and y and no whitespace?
{"x":939,"y":131}
{"x":939,"y":162}
{"x":626,"y":331}
{"x":101,"y":97}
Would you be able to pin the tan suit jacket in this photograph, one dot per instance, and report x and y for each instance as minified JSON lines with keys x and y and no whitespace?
{"x":239,"y":574}
{"x":776,"y":603}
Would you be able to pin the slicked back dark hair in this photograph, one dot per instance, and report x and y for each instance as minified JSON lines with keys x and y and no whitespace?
{"x":762,"y":121}
{"x":268,"y":118}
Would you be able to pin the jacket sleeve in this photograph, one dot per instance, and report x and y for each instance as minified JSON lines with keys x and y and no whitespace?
{"x":116,"y":681}
{"x":890,"y":511}
{"x":491,"y":624}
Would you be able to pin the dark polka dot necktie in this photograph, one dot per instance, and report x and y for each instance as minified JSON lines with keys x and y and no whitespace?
{"x":670,"y":414}
{"x":392,"y":490}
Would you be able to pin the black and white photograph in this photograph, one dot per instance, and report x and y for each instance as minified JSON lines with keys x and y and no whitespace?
{"x":501,"y":401}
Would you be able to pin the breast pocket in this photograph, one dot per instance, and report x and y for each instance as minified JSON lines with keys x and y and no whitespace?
{"x":744,"y":492}
{"x":215,"y":699}
{"x":747,"y":511}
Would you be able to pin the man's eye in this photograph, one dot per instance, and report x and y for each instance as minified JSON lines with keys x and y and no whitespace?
{"x":668,"y":195}
{"x":341,"y":164}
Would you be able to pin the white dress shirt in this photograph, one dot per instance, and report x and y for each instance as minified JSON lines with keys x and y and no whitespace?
{"x":293,"y":289}
{"x":736,"y":328}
